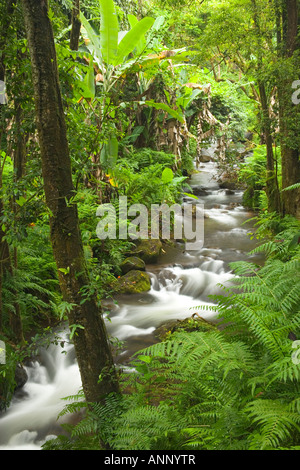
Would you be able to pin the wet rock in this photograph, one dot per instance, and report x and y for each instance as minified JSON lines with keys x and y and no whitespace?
{"x":248,"y":135}
{"x":229,"y":192}
{"x":206,"y":156}
{"x":232,"y":206}
{"x":133,"y":282}
{"x":21,"y":376}
{"x":133,"y":263}
{"x":228,"y":184}
{"x":148,"y":250}
{"x":193,"y":323}
{"x":197,"y":191}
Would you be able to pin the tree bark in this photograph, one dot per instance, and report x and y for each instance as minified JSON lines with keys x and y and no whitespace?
{"x":90,"y":339}
{"x":76,"y":25}
{"x":272,"y":189}
{"x":289,"y":112}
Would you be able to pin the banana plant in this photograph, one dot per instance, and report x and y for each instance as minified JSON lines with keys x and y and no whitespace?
{"x":111,"y":48}
{"x":109,"y":53}
{"x":113,"y":53}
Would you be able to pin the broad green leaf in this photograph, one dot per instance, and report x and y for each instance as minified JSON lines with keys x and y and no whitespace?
{"x":191,"y":98}
{"x":142,"y":43}
{"x":185,"y":101}
{"x":109,"y":153}
{"x":92,"y":36}
{"x":158,"y":23}
{"x":175,"y":114}
{"x":191,"y":195}
{"x":144,"y":358}
{"x":132,"y":39}
{"x":136,"y":132}
{"x":132,"y":20}
{"x":167,"y":175}
{"x":109,"y":29}
{"x":21,"y":201}
{"x":88,"y":84}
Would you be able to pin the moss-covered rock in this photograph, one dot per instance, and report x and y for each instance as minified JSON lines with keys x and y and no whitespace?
{"x":133,"y":282}
{"x":148,"y":250}
{"x":132,"y":263}
{"x":193,"y":323}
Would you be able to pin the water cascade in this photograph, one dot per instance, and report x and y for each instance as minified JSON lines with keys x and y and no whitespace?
{"x":181,"y":282}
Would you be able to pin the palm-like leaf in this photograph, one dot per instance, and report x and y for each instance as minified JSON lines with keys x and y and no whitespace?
{"x":132,"y":38}
{"x":109,"y":30}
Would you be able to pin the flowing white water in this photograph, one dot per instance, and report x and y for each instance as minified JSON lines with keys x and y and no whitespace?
{"x":175,"y":294}
{"x":32,"y":416}
{"x":181,"y":282}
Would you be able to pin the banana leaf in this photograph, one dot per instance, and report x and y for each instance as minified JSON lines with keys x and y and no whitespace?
{"x":132,"y":39}
{"x":109,"y":29}
{"x":175,"y":114}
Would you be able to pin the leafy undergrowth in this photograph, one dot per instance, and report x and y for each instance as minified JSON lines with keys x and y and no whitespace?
{"x":208,"y":388}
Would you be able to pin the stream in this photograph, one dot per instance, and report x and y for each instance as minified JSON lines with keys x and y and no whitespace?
{"x":181,"y":281}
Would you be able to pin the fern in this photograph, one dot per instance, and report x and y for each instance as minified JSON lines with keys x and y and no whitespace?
{"x":232,"y":387}
{"x":292,"y":187}
{"x":276,"y":422}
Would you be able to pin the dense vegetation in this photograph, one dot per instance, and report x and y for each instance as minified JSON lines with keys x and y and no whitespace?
{"x":107,"y":99}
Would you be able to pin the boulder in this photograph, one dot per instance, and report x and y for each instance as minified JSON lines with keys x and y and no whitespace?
{"x":206,"y":155}
{"x":198,"y":191}
{"x":21,"y":376}
{"x":229,"y":192}
{"x":132,"y":263}
{"x":228,"y":184}
{"x":148,"y":250}
{"x":193,"y":323}
{"x":133,"y":282}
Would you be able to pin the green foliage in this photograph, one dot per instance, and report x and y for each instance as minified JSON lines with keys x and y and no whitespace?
{"x":7,"y":375}
{"x":252,"y":174}
{"x":234,"y":388}
{"x":149,"y":184}
{"x":270,"y":224}
{"x":142,"y":158}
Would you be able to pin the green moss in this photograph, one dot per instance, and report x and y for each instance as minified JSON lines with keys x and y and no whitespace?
{"x":132,"y":263}
{"x":148,"y":250}
{"x":133,"y":282}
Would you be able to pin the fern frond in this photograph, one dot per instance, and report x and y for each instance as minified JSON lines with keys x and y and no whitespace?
{"x":275,"y":423}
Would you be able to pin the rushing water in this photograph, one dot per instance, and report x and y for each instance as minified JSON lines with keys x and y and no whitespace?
{"x":181,"y":282}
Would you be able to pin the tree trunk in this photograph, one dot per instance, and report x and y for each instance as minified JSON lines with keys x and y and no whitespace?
{"x":76,"y":25}
{"x":272,"y":189}
{"x":289,"y":112}
{"x":90,"y":339}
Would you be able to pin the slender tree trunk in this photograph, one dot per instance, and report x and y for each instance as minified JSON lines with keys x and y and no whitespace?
{"x":289,"y":112}
{"x":76,"y":25}
{"x":272,"y":189}
{"x":90,"y":339}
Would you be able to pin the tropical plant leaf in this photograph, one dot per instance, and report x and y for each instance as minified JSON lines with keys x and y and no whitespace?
{"x":140,"y":46}
{"x":175,"y":114}
{"x":92,"y":36}
{"x":167,"y":175}
{"x":132,"y":39}
{"x":109,"y":153}
{"x":109,"y":30}
{"x":88,"y":84}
